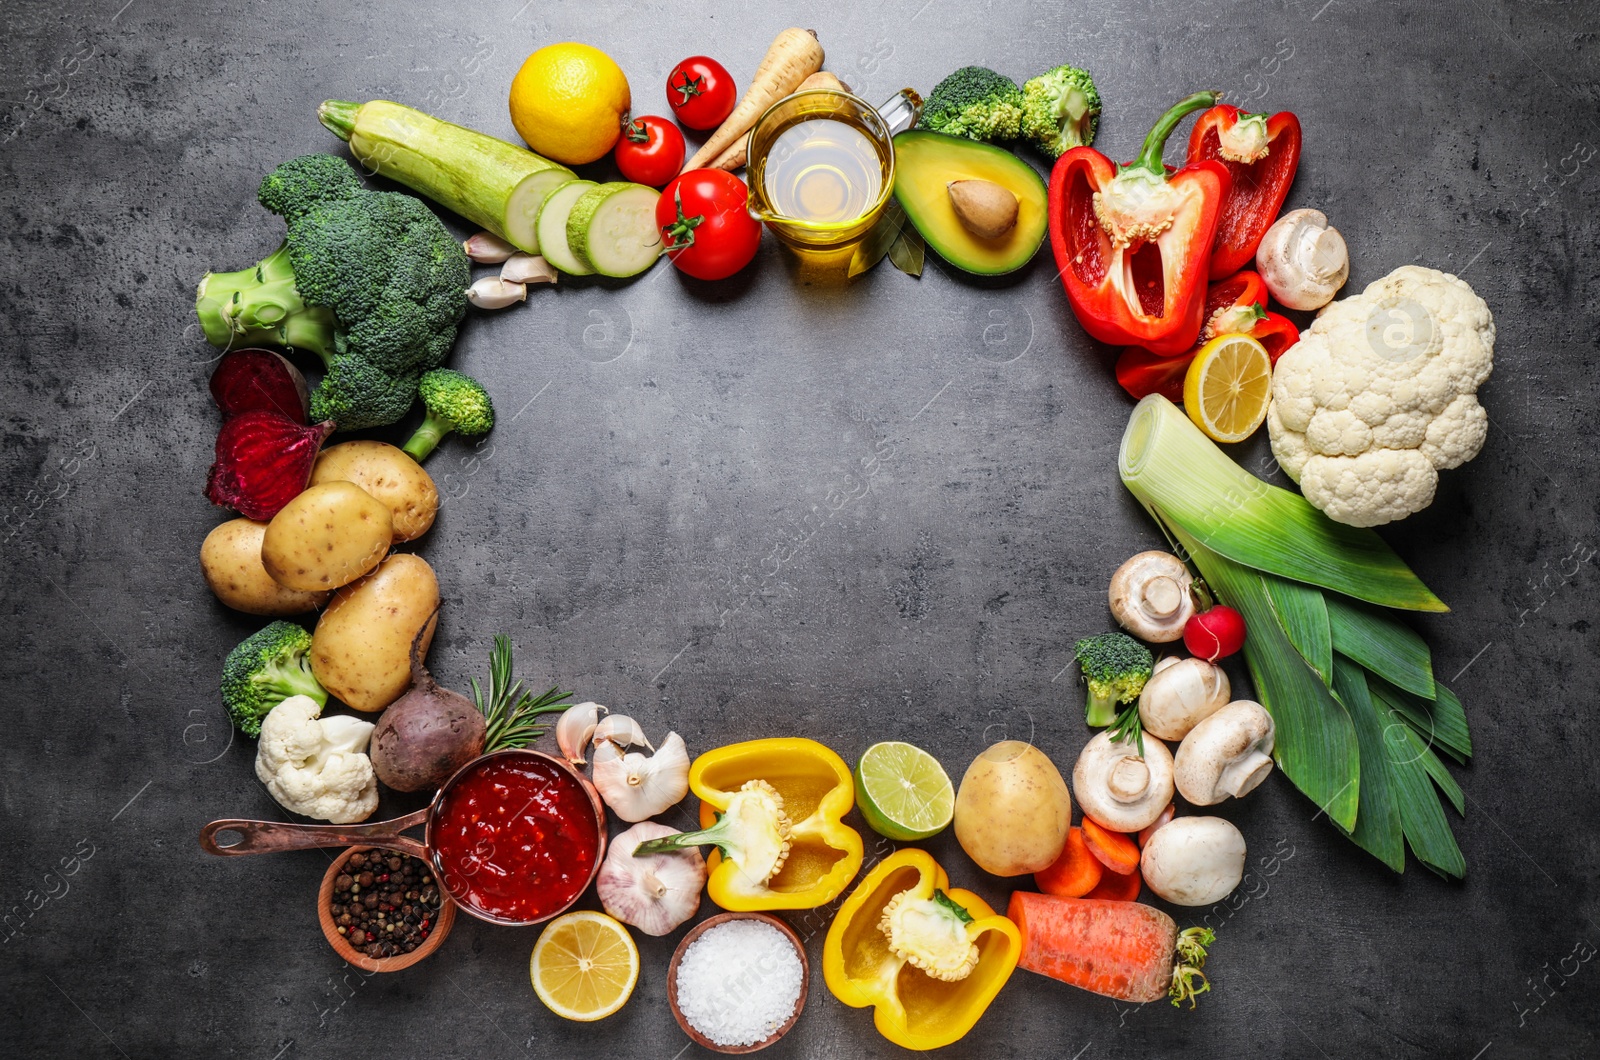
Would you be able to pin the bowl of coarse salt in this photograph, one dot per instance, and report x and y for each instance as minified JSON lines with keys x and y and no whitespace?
{"x":737,"y":982}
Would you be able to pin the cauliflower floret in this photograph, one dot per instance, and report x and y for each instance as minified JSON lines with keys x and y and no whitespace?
{"x":1379,"y":395}
{"x":317,"y":766}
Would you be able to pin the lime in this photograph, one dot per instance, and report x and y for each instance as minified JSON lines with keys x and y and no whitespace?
{"x":903,"y":792}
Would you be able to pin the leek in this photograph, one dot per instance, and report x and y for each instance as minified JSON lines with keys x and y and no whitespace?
{"x":1350,"y":687}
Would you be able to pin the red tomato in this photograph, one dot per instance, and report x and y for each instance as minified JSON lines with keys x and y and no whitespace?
{"x":649,"y":151}
{"x":700,"y":92}
{"x":706,"y":225}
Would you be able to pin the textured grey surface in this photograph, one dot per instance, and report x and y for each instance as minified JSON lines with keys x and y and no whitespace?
{"x":757,"y":508}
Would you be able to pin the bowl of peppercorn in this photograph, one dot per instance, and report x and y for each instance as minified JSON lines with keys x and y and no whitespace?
{"x":381,"y":910}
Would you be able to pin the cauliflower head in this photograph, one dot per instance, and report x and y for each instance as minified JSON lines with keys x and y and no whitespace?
{"x":317,"y":766}
{"x":1380,"y":395}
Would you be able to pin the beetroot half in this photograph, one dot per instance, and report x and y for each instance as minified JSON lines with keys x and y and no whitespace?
{"x":264,"y":461}
{"x":259,"y":380}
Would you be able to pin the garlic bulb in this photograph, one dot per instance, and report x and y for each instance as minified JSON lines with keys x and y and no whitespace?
{"x":657,"y":892}
{"x":638,"y":786}
{"x":575,"y":728}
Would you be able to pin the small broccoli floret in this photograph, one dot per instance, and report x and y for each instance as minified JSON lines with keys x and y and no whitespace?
{"x":974,"y":102}
{"x":1115,"y":667}
{"x":370,"y":281}
{"x":455,"y":402}
{"x":1060,"y":110}
{"x":265,"y":669}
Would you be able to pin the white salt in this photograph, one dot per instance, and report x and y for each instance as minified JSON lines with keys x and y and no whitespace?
{"x":739,"y":982}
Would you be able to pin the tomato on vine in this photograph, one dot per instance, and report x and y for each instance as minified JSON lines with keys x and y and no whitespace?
{"x":705,"y":223}
{"x":650,"y":150}
{"x":700,"y":92}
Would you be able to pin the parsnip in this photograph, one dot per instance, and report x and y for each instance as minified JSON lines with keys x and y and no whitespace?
{"x":794,"y":56}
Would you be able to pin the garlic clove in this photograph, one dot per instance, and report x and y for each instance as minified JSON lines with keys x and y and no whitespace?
{"x":622,"y":730}
{"x":574,"y":729}
{"x":527,"y":268}
{"x":486,"y":248}
{"x":491,"y":292}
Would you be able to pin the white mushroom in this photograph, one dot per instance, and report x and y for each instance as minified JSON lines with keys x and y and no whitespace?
{"x":1150,"y":596}
{"x":1228,"y":753}
{"x":1303,"y":259}
{"x":1118,"y":788}
{"x":1194,"y":860}
{"x":1180,"y":694}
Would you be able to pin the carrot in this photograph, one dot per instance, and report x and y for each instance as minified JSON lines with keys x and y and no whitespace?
{"x":794,"y":56}
{"x":738,"y":152}
{"x":1166,"y":815}
{"x":1124,"y":950}
{"x":1075,"y":873}
{"x":1118,"y":887}
{"x":1116,"y":851}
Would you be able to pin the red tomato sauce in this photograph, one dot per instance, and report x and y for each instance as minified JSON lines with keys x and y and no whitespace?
{"x":515,"y":838}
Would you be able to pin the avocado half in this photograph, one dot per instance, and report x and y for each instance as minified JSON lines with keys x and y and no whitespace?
{"x":925,"y":163}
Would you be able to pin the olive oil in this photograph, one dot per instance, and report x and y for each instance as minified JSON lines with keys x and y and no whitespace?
{"x":823,"y":170}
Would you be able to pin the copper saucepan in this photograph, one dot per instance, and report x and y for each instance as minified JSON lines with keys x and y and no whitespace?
{"x":268,"y":837}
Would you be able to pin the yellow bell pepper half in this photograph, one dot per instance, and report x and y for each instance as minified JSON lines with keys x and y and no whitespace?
{"x":817,"y":792}
{"x":914,"y":1009}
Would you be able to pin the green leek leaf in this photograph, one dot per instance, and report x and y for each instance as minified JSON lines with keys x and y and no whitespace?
{"x":1377,"y":830}
{"x":1304,"y":616}
{"x":1169,"y":465}
{"x":1421,"y":816}
{"x":1316,"y":743}
{"x":1439,"y":722}
{"x":1383,"y":644}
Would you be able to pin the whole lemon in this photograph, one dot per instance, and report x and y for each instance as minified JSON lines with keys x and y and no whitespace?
{"x":568,"y":101}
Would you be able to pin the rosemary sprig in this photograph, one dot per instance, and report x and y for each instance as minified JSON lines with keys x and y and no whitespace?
{"x":508,"y":711}
{"x":1128,"y":727}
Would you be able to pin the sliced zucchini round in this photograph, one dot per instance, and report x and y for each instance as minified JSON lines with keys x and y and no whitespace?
{"x":612,"y":228}
{"x":552,"y":226}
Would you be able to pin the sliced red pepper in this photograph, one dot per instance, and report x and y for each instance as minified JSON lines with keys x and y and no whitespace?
{"x":1232,"y":137}
{"x":1142,"y":373}
{"x":1133,"y":242}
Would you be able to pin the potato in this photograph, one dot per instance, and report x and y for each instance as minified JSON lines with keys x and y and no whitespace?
{"x":361,"y":648}
{"x":1013,"y":810}
{"x":328,"y":536}
{"x":388,"y":474}
{"x":230,"y":559}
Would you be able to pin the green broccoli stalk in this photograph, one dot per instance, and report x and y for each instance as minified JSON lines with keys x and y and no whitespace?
{"x":1060,"y":110}
{"x":265,"y":669}
{"x":455,"y":402}
{"x":1115,"y":667}
{"x":974,"y":102}
{"x":370,"y":281}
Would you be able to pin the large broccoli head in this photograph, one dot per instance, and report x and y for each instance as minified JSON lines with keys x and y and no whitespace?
{"x":389,"y":273}
{"x":974,"y":102}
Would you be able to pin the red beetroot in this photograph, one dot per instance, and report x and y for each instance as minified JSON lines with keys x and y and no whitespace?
{"x":263,"y":462}
{"x":1214,"y":634}
{"x":251,"y":380}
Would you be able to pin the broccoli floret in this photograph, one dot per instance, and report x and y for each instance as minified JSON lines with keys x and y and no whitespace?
{"x":974,"y":102}
{"x":1060,"y":110}
{"x":370,"y":281}
{"x":1115,"y":667}
{"x":455,"y":402}
{"x":265,"y":669}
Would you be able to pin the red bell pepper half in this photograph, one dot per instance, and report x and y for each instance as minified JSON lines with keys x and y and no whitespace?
{"x":1237,"y":304}
{"x":1133,"y":242}
{"x":1262,"y":154}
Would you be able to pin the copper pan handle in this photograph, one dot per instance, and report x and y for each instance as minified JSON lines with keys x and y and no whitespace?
{"x":268,"y":837}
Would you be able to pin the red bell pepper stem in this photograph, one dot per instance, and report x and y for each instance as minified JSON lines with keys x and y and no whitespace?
{"x":1155,"y":142}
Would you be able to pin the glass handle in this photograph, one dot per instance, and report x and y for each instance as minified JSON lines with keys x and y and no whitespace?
{"x":901,"y":111}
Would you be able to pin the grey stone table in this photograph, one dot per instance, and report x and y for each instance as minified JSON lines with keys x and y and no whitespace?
{"x":651,"y":524}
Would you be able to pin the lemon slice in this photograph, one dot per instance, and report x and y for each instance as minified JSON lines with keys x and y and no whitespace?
{"x":1228,"y":387}
{"x":584,"y":966}
{"x":903,"y":792}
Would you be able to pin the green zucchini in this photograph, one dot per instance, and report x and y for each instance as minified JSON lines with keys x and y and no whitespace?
{"x":494,"y":184}
{"x":612,"y":228}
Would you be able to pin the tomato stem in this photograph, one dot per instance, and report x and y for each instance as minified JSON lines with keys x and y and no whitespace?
{"x":680,"y":233}
{"x":691,"y":87}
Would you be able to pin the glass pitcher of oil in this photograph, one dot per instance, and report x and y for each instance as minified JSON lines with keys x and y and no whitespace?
{"x":821,"y":169}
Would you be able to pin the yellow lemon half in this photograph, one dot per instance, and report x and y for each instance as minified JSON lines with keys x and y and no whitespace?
{"x":567,"y":102}
{"x":1228,"y":387}
{"x":584,"y":966}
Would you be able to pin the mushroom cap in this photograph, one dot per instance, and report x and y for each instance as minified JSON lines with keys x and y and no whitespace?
{"x":1180,"y":694}
{"x":1194,"y":860}
{"x":1150,"y":596}
{"x":1303,"y":260}
{"x":1229,"y":753}
{"x":1120,"y":790}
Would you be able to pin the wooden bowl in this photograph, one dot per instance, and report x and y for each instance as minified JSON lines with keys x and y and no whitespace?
{"x":441,"y":926}
{"x":683,"y":947}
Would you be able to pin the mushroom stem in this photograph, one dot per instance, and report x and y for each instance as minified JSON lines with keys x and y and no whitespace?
{"x":1241,"y":776}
